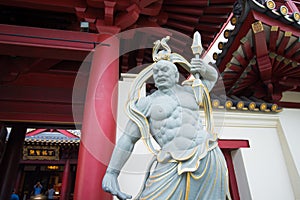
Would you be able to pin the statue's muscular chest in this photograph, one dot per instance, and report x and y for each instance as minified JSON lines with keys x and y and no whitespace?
{"x":163,"y":105}
{"x":174,"y":118}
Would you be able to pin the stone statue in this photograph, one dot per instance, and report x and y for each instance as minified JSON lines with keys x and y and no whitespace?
{"x":189,"y":164}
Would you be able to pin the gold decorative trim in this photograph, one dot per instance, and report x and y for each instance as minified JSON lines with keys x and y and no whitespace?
{"x":274,"y":28}
{"x":296,"y":16}
{"x":41,"y":153}
{"x":283,"y":10}
{"x":270,"y":4}
{"x":288,"y":34}
{"x":228,"y":104}
{"x":240,"y":105}
{"x":233,"y":21}
{"x":257,"y":27}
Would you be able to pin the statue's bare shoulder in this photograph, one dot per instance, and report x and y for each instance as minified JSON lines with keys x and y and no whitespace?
{"x":144,"y":104}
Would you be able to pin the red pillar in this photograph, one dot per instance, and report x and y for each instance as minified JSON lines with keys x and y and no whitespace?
{"x":99,"y":125}
{"x":65,"y":182}
{"x":18,"y":181}
{"x":3,"y":134}
{"x":10,"y":165}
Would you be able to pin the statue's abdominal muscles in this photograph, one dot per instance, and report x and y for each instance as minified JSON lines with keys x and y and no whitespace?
{"x":175,"y":124}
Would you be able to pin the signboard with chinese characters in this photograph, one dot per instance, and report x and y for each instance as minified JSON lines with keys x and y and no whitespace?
{"x":41,"y":153}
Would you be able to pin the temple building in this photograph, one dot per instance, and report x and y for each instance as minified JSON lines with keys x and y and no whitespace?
{"x":66,"y":68}
{"x":50,"y":157}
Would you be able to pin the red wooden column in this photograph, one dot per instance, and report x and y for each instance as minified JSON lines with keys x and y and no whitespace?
{"x":99,"y":125}
{"x":65,"y":181}
{"x":3,"y":134}
{"x":10,"y":165}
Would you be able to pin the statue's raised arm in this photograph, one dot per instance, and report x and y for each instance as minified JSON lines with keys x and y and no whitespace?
{"x":189,"y":164}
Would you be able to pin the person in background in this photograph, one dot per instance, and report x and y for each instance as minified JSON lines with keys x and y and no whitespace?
{"x":37,"y":188}
{"x":50,"y":193}
{"x":14,"y":196}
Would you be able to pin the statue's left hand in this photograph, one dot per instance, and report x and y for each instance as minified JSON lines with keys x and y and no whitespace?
{"x":198,"y":66}
{"x":110,"y":184}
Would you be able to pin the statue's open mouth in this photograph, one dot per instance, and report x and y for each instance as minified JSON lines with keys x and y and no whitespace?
{"x":161,"y":80}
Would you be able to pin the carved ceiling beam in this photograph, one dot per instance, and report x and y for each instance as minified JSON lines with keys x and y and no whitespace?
{"x":241,"y":70}
{"x":206,"y":39}
{"x":261,"y":49}
{"x":145,"y":3}
{"x":296,"y":57}
{"x":230,"y":72}
{"x":228,"y":83}
{"x":269,"y":20}
{"x":277,"y":90}
{"x":46,"y":43}
{"x":80,"y":7}
{"x":244,"y":86}
{"x":291,"y":71}
{"x":180,"y":43}
{"x":201,"y":3}
{"x":224,"y":10}
{"x":241,"y":75}
{"x":213,"y":19}
{"x":249,"y":81}
{"x":216,"y":2}
{"x":104,"y":29}
{"x":246,"y":47}
{"x":292,"y":49}
{"x":184,"y":10}
{"x":84,"y":14}
{"x":290,"y":82}
{"x":236,"y":42}
{"x":96,"y":3}
{"x":208,"y":28}
{"x":160,"y":19}
{"x":285,"y":66}
{"x":109,"y":12}
{"x":284,"y":42}
{"x":260,"y":91}
{"x":183,"y":18}
{"x":151,"y":9}
{"x":234,"y":67}
{"x":274,"y":34}
{"x":128,"y":18}
{"x":243,"y":61}
{"x":277,"y":63}
{"x":177,"y":25}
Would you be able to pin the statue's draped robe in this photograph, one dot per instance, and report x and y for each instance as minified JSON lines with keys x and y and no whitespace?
{"x":195,"y":178}
{"x":190,"y":174}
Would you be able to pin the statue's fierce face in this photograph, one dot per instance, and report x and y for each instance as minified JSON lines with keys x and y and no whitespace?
{"x":165,"y":74}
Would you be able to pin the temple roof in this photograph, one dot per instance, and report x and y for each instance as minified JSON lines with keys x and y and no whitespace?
{"x":52,"y":137}
{"x":260,"y":58}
